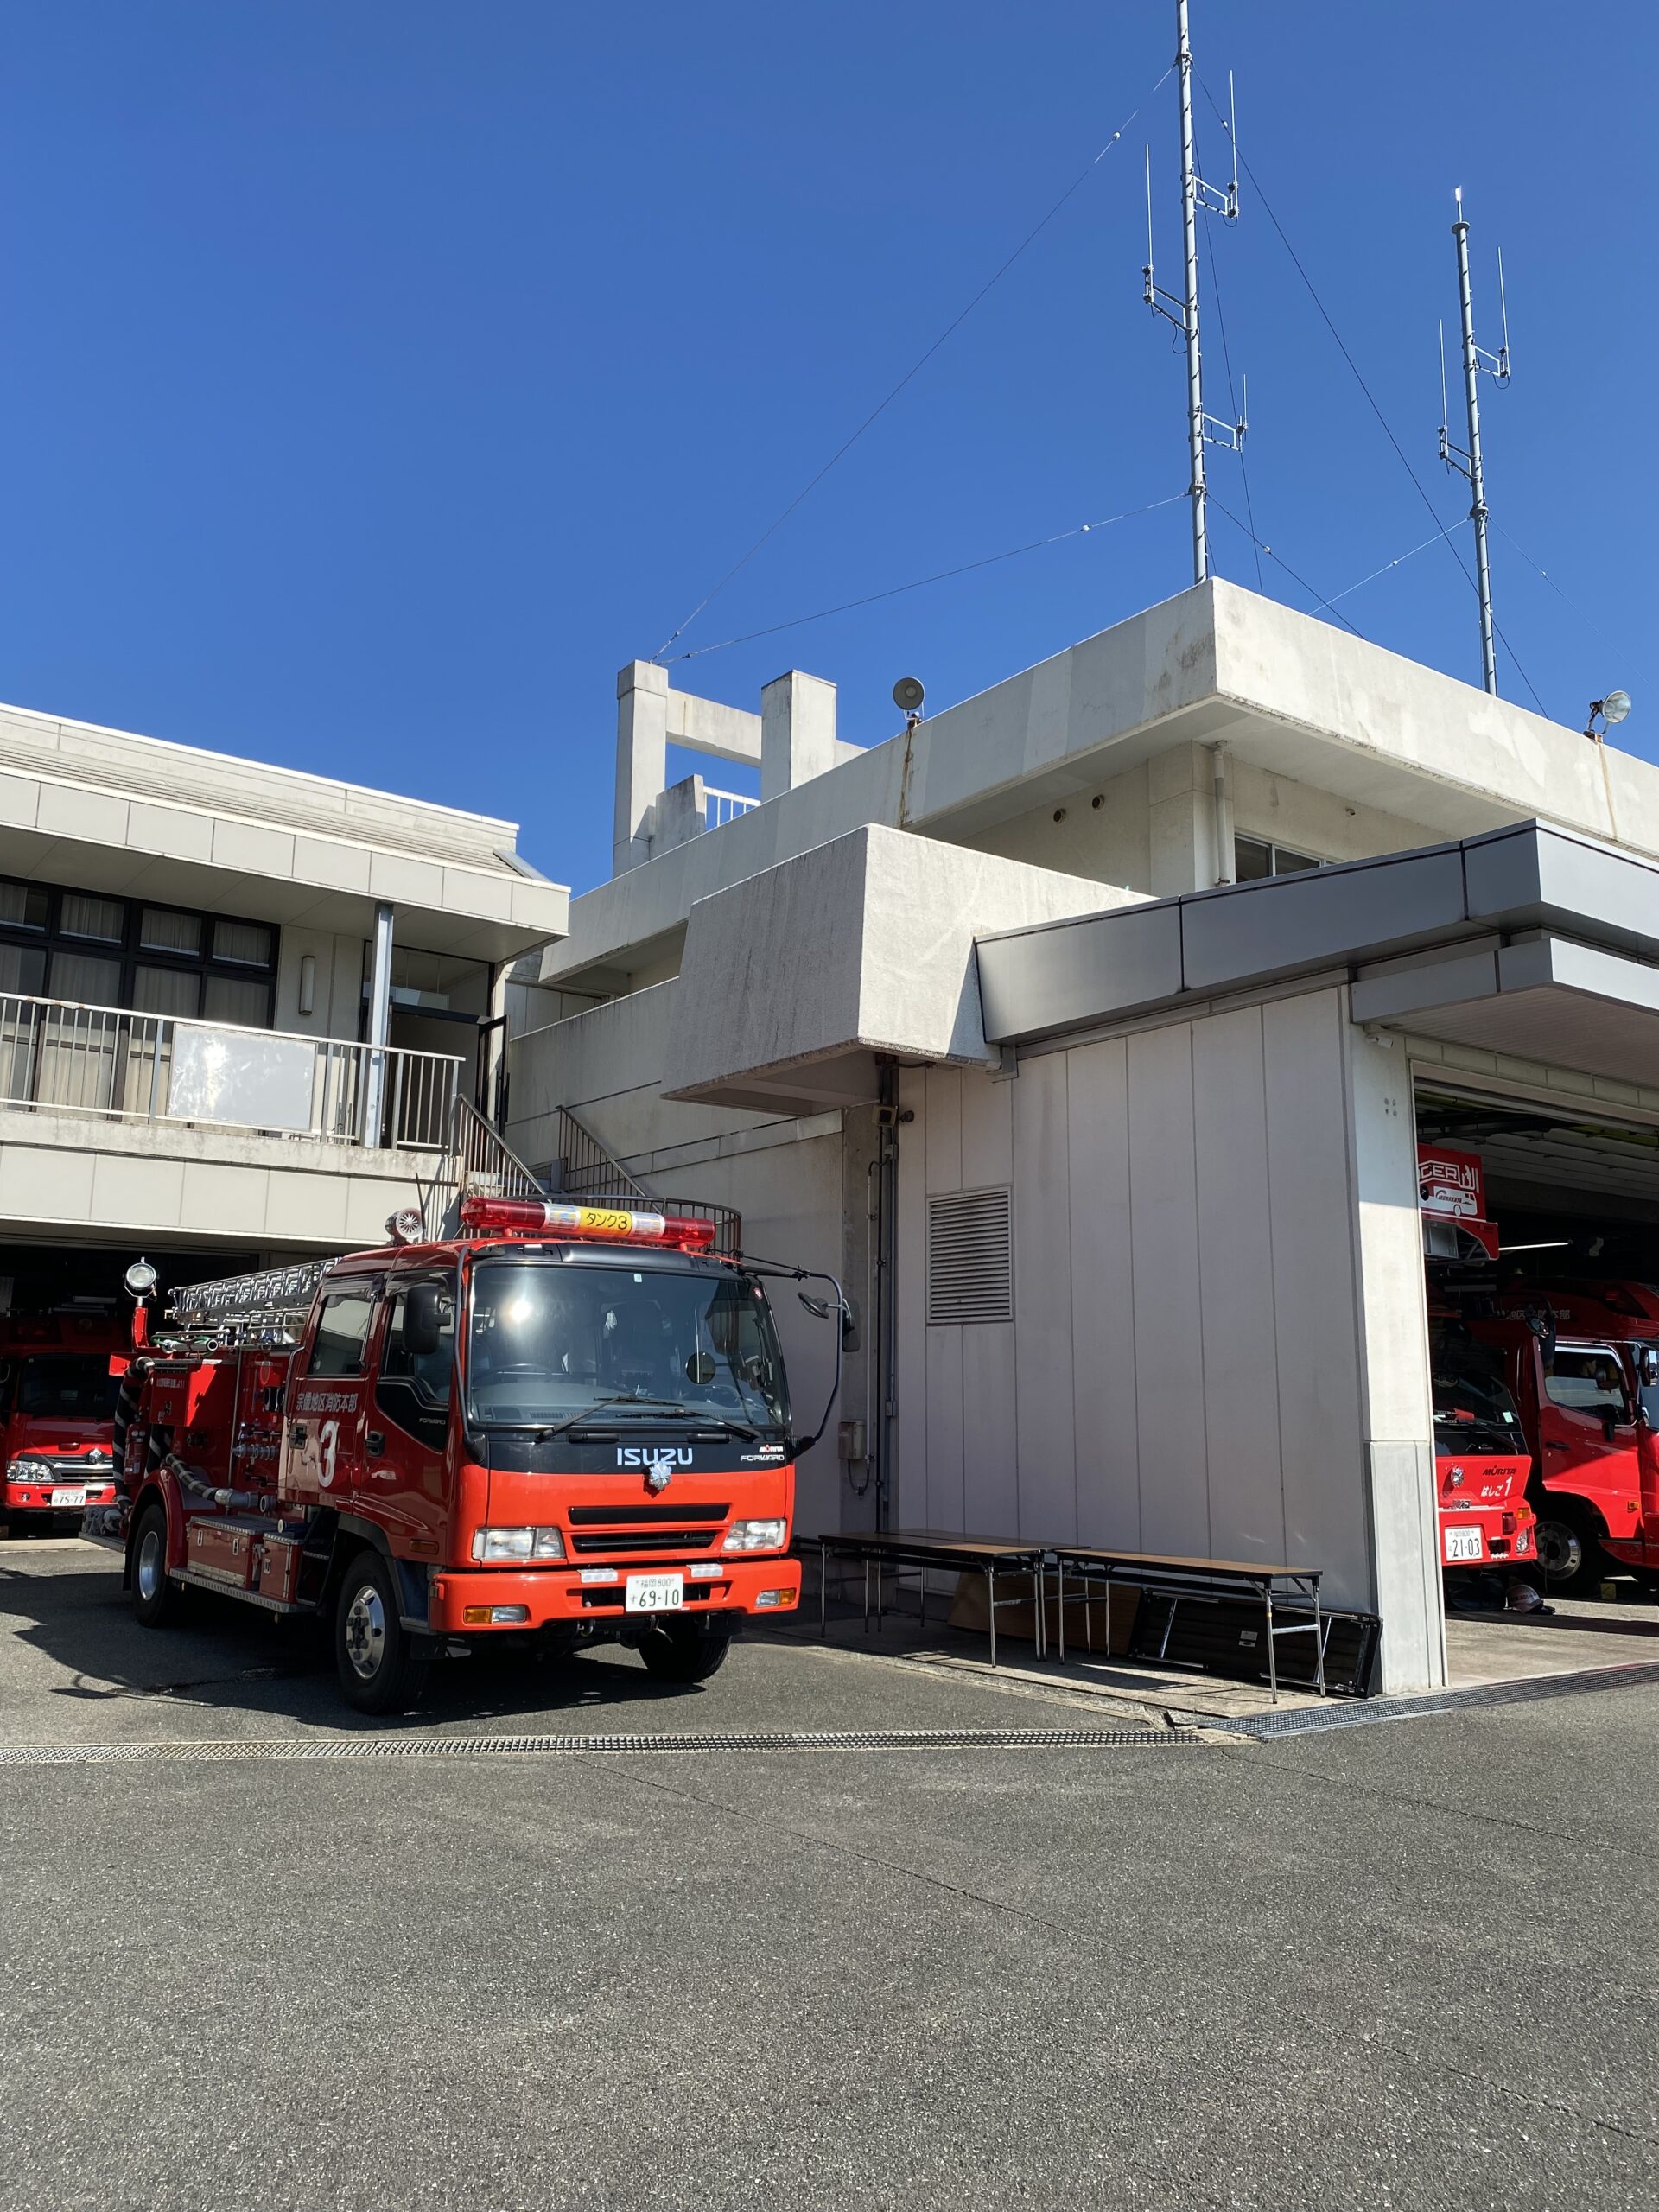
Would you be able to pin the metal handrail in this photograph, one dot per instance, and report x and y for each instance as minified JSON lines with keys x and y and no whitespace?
{"x":721,"y":807}
{"x":68,"y":1057}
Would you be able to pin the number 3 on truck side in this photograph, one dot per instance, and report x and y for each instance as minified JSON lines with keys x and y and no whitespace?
{"x":327,"y":1452}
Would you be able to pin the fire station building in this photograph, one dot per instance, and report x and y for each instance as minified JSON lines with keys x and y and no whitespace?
{"x":236,"y":1004}
{"x":1088,"y":1030}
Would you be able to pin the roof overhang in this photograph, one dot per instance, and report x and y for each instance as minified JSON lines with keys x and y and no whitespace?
{"x":797,"y":983}
{"x":1529,"y":941}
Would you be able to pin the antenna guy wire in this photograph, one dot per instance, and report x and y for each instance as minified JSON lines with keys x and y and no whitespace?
{"x":846,"y":445}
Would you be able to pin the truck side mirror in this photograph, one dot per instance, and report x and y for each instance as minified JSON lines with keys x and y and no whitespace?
{"x":1647,"y":1366}
{"x":423,"y":1320}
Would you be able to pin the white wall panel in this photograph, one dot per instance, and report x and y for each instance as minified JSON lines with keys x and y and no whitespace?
{"x":1103,"y":1297}
{"x":1240,"y":1374}
{"x":944,"y":1354}
{"x":991,"y":1428}
{"x":1042,"y":1301}
{"x":1168,"y":1321}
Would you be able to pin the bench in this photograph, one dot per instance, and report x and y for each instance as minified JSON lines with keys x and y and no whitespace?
{"x":1205,"y":1580}
{"x":918,"y":1550}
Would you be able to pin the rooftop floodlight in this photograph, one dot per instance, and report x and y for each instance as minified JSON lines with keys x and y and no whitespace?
{"x":1613,"y":708}
{"x":140,"y":1279}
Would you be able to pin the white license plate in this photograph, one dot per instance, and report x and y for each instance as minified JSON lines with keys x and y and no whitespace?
{"x":69,"y":1497}
{"x":1463,"y":1543}
{"x":654,"y":1593}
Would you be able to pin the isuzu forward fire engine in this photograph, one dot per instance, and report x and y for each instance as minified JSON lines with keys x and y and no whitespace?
{"x":57,"y":1406}
{"x":568,"y":1422}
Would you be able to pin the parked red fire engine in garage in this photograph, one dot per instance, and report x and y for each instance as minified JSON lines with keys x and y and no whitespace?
{"x":568,"y":1421}
{"x":57,"y":1409}
{"x":1481,"y":1460}
{"x":1481,"y":1455}
{"x":1587,"y":1356}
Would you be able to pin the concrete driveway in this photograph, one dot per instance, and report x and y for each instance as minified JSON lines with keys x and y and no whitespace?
{"x":1405,"y":1964}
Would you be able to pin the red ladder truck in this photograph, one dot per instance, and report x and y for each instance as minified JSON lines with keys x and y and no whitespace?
{"x":569,"y":1422}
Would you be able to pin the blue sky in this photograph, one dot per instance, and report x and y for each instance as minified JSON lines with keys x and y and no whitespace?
{"x":376,"y":380}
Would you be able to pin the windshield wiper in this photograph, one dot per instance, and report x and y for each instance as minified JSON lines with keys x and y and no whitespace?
{"x":675,"y":1407}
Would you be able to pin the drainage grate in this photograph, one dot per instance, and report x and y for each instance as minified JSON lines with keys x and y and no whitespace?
{"x":484,"y":1747}
{"x":1308,"y":1720}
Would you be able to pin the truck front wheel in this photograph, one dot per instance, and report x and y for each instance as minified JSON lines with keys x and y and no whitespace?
{"x":154,"y":1599}
{"x":686,"y":1651}
{"x":1568,"y":1552}
{"x":381,"y":1664}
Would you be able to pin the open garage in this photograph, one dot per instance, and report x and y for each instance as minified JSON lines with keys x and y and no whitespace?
{"x":65,"y":1316}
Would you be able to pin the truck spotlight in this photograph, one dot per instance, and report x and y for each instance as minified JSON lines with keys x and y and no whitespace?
{"x":140,"y":1280}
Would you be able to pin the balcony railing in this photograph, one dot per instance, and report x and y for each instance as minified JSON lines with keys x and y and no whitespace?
{"x":721,"y":807}
{"x":65,"y":1058}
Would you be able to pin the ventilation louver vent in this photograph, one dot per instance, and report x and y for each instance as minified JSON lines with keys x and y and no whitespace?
{"x":970,"y":1259}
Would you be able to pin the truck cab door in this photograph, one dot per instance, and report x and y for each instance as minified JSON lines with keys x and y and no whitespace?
{"x":1587,"y":1433}
{"x":407,"y":1428}
{"x":322,"y":1446}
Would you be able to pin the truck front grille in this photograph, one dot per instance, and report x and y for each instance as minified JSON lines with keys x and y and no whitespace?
{"x":645,"y":1540}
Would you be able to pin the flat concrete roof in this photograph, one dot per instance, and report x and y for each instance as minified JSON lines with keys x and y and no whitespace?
{"x":1291,"y":695}
{"x":108,"y":810}
{"x":1531,"y":941}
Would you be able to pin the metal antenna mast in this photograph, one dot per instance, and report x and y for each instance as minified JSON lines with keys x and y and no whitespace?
{"x":1183,"y":312}
{"x":1467,"y":462}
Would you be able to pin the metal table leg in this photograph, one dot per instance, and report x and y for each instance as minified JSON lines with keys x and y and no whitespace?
{"x":1273,"y":1656}
{"x":990,"y":1607}
{"x":824,"y":1592}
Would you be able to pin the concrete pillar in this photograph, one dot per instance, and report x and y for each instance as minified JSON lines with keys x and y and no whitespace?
{"x":641,"y":759}
{"x":374,"y":1083}
{"x":1396,"y":1406}
{"x":1182,"y":821}
{"x":797,"y":731}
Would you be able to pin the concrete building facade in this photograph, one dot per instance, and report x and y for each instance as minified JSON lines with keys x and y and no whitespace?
{"x":1135,"y":979}
{"x":236,"y":1002}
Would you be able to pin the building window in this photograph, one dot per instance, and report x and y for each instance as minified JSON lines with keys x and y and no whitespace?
{"x":23,"y":907}
{"x":117,"y":952}
{"x":1254,"y":859}
{"x":103,"y":919}
{"x":162,"y":930}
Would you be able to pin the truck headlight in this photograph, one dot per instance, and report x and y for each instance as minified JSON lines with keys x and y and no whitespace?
{"x":29,"y":1471}
{"x":501,"y":1544}
{"x":756,"y":1536}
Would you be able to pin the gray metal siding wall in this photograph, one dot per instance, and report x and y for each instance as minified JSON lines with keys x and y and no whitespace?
{"x":1183,"y":1369}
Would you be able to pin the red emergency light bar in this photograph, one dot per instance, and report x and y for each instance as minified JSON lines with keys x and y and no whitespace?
{"x":606,"y":1225}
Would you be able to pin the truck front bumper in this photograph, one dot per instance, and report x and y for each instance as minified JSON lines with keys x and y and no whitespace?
{"x":467,"y":1601}
{"x":64,"y":1493}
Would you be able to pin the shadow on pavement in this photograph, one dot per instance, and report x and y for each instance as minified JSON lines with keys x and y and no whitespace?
{"x":229,"y":1656}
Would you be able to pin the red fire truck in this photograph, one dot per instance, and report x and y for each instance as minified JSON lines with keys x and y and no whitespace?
{"x":57,"y":1407}
{"x":1481,"y":1458}
{"x":1481,"y":1455}
{"x":569,"y":1422}
{"x":1586,"y":1361}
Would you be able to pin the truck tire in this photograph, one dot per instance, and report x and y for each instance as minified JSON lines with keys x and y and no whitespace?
{"x":381,"y":1665}
{"x":686,"y":1651}
{"x":1570,"y":1556}
{"x":154,"y":1599}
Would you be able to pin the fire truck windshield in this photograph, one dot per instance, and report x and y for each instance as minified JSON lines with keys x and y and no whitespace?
{"x":545,"y":1341}
{"x":72,"y":1387}
{"x":1474,"y":1413}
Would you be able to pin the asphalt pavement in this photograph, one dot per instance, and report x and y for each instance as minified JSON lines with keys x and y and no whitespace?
{"x":1407,"y":1964}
